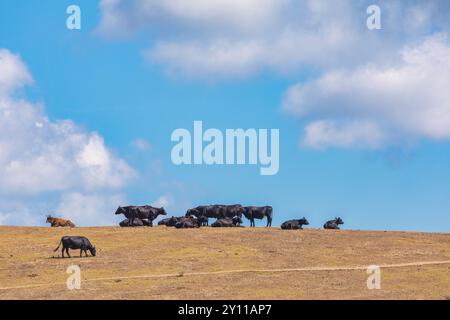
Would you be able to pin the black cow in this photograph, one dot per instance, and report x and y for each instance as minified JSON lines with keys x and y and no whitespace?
{"x":227,"y":222}
{"x":216,"y":211}
{"x":333,"y":224}
{"x":136,"y":222}
{"x":252,"y":213}
{"x":170,"y":222}
{"x":165,"y":222}
{"x":230,"y":211}
{"x":72,"y":242}
{"x":294,"y":224}
{"x":188,"y":222}
{"x":204,"y":211}
{"x":146,"y":212}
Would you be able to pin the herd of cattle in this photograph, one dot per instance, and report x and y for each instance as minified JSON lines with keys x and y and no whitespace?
{"x":225,"y":215}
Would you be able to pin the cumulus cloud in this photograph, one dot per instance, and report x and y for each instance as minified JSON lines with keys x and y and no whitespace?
{"x":90,"y":209}
{"x":38,"y":154}
{"x":20,"y":212}
{"x":376,"y":105}
{"x":226,"y":38}
{"x":49,"y":158}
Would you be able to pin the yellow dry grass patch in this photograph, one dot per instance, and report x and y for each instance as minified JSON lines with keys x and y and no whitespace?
{"x":27,"y":259}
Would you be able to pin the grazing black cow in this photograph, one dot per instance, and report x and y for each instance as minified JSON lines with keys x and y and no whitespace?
{"x":333,"y":224}
{"x":146,"y":212}
{"x":252,"y":213}
{"x":227,"y":222}
{"x":294,"y":224}
{"x":72,"y":242}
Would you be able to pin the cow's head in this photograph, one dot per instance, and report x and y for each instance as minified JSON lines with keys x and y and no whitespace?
{"x":192,"y":212}
{"x":120,"y":210}
{"x":303,"y":221}
{"x":237,"y":220}
{"x":93,"y":251}
{"x":162,"y":211}
{"x":49,"y":219}
{"x":338,"y":220}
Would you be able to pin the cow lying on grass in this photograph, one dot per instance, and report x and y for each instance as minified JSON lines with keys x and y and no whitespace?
{"x":189,"y":222}
{"x":333,"y":224}
{"x":184,"y":222}
{"x":294,"y":224}
{"x":58,"y":222}
{"x":136,"y":222}
{"x":227,"y":222}
{"x":73,"y":242}
{"x":169,"y":222}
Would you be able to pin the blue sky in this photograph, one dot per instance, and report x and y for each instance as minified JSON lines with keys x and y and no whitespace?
{"x":377,"y":153}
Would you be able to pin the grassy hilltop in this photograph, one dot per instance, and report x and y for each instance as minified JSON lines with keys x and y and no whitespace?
{"x":234,"y":263}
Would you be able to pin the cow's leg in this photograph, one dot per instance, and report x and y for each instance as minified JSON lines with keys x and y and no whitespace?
{"x":68,"y":254}
{"x":62,"y":251}
{"x":85,"y":252}
{"x":81,"y":252}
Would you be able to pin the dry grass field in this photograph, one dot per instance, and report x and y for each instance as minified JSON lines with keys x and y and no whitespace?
{"x":237,"y":263}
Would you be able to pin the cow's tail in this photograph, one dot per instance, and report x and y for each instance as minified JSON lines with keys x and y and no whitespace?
{"x":58,"y":245}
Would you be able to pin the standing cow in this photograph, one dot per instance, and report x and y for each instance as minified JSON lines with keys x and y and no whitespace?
{"x":73,"y":242}
{"x":146,"y":212}
{"x":252,"y":213}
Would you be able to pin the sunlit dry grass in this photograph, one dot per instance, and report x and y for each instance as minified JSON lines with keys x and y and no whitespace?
{"x":27,"y":258}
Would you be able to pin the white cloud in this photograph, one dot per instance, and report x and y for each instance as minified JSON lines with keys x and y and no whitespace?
{"x":375,"y":105}
{"x":163,"y":201}
{"x":43,"y":161}
{"x":237,"y":38}
{"x":90,"y":209}
{"x":141,"y":144}
{"x":39,"y":155}
{"x":14,"y":213}
{"x":14,"y":74}
{"x":120,"y":18}
{"x":355,"y":134}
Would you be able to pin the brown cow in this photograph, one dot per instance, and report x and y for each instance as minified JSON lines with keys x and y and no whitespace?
{"x":58,"y":222}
